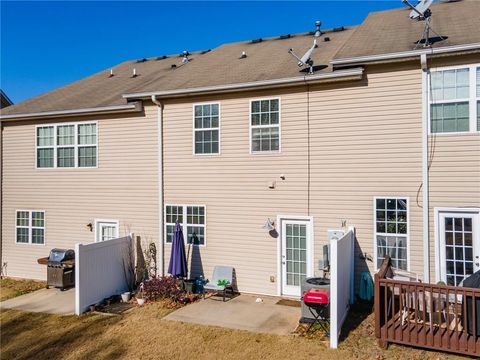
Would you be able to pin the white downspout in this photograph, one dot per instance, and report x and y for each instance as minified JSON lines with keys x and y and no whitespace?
{"x":425,"y":181}
{"x":160,"y":182}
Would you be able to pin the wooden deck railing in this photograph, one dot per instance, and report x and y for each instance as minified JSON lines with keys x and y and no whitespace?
{"x":443,"y":318}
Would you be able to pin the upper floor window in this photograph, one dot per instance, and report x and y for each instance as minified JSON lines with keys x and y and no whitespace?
{"x":30,"y":227}
{"x":207,"y":129}
{"x":478,"y":98}
{"x":454,"y":100}
{"x":265,"y":125}
{"x":391,"y":230}
{"x":66,"y":145}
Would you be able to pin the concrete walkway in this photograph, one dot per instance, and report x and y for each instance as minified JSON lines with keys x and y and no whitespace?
{"x":241,"y":313}
{"x":51,"y":301}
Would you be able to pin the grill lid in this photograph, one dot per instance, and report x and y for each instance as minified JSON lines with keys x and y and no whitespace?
{"x":316,"y":297}
{"x":59,"y":255}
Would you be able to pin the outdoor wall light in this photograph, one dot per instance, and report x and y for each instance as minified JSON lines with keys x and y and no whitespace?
{"x":90,"y":226}
{"x":269,"y":225}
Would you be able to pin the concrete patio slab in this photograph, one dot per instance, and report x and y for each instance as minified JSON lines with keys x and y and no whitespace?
{"x":51,"y":301}
{"x":242,"y":313}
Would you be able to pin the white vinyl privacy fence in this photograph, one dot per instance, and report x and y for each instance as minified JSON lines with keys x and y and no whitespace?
{"x":341,"y":282}
{"x":102,"y":270}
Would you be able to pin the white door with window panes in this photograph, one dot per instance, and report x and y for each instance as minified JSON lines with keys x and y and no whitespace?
{"x":459,"y":243}
{"x":296,"y":248}
{"x":106,"y":230}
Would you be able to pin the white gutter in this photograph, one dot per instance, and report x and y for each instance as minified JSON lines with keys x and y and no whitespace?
{"x":425,"y":179}
{"x":356,"y":73}
{"x":132,"y":107}
{"x":405,"y":54}
{"x":160,"y":181}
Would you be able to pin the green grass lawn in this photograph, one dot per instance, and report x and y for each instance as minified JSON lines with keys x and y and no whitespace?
{"x":10,"y":288}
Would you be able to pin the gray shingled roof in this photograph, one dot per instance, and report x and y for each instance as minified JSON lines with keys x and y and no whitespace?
{"x":381,"y":33}
{"x":266,"y":60}
{"x":392,"y":31}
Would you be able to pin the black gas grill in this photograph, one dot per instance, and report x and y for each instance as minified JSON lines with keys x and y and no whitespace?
{"x":61,"y":268}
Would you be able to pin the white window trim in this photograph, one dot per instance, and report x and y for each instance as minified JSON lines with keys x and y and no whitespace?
{"x":375,"y":255}
{"x":436,"y":228}
{"x":472,"y":99}
{"x":30,"y":227}
{"x":98,"y":222}
{"x":75,"y":145}
{"x":185,"y":224}
{"x":194,"y":130}
{"x":250,"y":127}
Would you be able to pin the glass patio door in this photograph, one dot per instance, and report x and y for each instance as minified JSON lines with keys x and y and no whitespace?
{"x":459,"y":246}
{"x":295,"y":255}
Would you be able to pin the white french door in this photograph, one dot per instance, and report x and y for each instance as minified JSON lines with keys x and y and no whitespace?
{"x":459,"y":244}
{"x":295,"y":255}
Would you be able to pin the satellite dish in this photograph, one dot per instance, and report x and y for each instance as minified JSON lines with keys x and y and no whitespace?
{"x":422,"y":12}
{"x":306,"y":59}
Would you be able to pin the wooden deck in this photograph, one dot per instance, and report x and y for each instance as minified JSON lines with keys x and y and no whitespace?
{"x":425,"y":315}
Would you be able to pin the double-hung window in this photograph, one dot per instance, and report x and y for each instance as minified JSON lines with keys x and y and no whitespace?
{"x":30,"y":227}
{"x":454,"y":100}
{"x":192,"y":218}
{"x":265,"y":125}
{"x":391,"y":230}
{"x":206,"y":129}
{"x":66,"y":145}
{"x":478,"y":97}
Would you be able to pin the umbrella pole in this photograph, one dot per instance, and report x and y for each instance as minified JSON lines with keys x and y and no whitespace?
{"x":188,"y":267}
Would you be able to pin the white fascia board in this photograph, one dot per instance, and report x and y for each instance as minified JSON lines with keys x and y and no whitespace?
{"x":349,"y":74}
{"x":133,"y":107}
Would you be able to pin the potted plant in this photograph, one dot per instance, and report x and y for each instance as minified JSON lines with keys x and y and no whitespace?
{"x":140,"y":298}
{"x":126,"y":296}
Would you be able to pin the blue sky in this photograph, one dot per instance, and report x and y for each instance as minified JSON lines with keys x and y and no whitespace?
{"x":48,"y":44}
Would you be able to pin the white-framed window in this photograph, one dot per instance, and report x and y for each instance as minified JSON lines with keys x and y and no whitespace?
{"x":478,"y":97}
{"x":71,"y":145}
{"x":30,"y":227}
{"x":106,"y":230}
{"x":391,"y":216}
{"x":265,"y":125}
{"x":190,"y":217}
{"x":454,"y":99}
{"x":206,"y":129}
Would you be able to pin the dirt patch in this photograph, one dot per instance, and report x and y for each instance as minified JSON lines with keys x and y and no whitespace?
{"x":10,"y":288}
{"x":142,"y":334}
{"x":288,"y":302}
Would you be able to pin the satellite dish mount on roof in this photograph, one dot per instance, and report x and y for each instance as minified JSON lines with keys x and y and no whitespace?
{"x":422,"y":12}
{"x":306,"y":59}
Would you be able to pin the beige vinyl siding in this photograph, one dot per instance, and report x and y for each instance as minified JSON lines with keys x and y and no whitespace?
{"x":365,"y":141}
{"x":454,"y":178}
{"x":123,"y":187}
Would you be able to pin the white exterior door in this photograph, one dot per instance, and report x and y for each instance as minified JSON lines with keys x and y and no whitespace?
{"x":459,"y":242}
{"x":295,"y":255}
{"x":106,"y":230}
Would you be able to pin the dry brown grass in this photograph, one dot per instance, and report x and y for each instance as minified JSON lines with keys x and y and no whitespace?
{"x":142,"y":334}
{"x":10,"y":288}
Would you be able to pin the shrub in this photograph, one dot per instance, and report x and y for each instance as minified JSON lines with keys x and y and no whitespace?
{"x":163,"y":288}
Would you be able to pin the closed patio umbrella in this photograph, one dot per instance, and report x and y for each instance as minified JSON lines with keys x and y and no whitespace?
{"x":178,"y":261}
